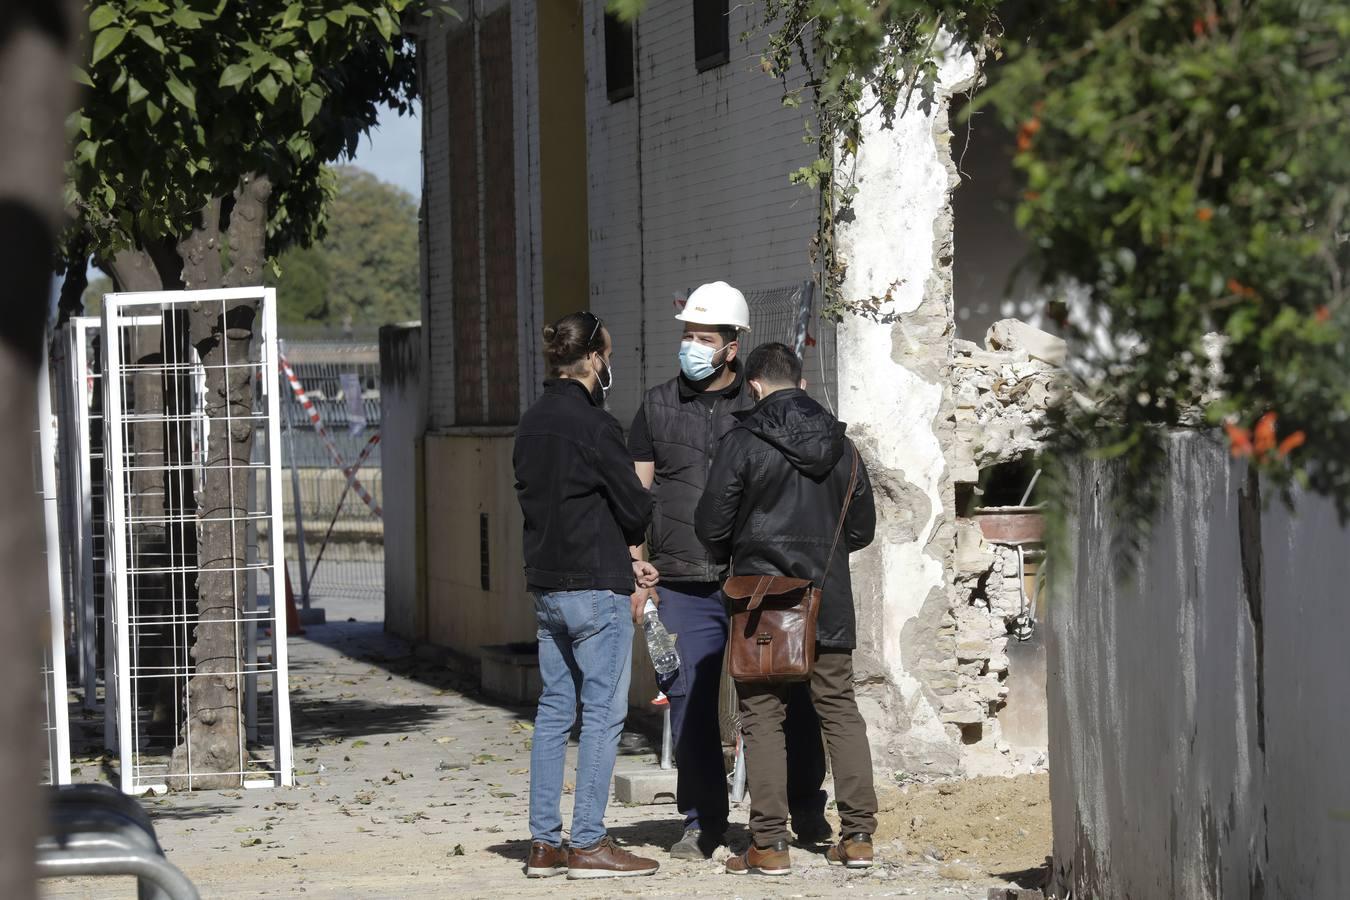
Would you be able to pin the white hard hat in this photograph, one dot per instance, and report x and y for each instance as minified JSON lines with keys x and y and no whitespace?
{"x":717,"y":303}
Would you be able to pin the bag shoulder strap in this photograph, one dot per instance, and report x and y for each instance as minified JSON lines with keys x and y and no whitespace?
{"x":843,"y":514}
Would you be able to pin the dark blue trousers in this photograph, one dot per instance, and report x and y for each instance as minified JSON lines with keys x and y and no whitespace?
{"x":696,"y":614}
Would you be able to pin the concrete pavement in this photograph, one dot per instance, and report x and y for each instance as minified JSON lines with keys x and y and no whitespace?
{"x":409,"y":786}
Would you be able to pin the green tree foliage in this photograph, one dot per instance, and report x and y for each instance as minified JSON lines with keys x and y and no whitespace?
{"x":364,"y":271}
{"x":187,"y":100}
{"x":1187,"y":164}
{"x":301,"y":279}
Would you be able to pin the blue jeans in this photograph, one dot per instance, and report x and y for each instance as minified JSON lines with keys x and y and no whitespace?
{"x":585,"y":655}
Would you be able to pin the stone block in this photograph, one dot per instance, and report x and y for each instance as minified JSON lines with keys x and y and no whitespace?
{"x":967,"y":395}
{"x":943,"y":682}
{"x":964,"y":347}
{"x":960,"y":709}
{"x":1013,"y":335}
{"x":647,"y":785}
{"x":973,"y":555}
{"x":969,"y":650}
{"x":510,"y":672}
{"x":989,"y":690}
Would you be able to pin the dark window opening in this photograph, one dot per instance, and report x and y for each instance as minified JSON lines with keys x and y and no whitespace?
{"x":712,"y":34}
{"x":618,"y":58}
{"x":484,"y":563}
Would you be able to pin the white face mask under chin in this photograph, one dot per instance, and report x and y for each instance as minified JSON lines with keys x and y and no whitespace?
{"x":606,"y":381}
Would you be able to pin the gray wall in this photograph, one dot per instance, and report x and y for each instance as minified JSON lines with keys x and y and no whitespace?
{"x":1198,"y":718}
{"x":403,"y":396}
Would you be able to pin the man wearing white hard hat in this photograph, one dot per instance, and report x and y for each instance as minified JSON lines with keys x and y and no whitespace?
{"x":673,"y":440}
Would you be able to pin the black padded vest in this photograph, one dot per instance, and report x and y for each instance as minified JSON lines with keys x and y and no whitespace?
{"x":685,"y":433}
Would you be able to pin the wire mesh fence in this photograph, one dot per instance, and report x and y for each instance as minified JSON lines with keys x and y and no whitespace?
{"x":192,"y":455}
{"x":331,"y":471}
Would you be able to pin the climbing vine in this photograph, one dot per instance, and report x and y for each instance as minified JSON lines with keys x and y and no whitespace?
{"x":860,"y":57}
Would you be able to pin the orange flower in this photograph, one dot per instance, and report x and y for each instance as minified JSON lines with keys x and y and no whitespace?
{"x":1239,"y":439}
{"x":1236,"y":287}
{"x":1265,"y":434}
{"x":1198,"y":27}
{"x":1291,"y":443}
{"x":1323,"y":314}
{"x":1204,"y":213}
{"x":1026,"y":133}
{"x":1031,"y":196}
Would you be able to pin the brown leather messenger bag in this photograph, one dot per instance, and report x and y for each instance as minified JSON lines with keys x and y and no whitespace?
{"x":773,"y":617}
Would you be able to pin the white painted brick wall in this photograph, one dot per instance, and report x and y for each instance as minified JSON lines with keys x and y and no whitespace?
{"x":716,"y":151}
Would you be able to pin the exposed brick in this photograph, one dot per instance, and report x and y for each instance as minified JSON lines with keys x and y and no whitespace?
{"x":499,"y":214}
{"x":465,"y":295}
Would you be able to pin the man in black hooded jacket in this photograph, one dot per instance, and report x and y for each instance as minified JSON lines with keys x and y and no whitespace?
{"x":771,"y":506}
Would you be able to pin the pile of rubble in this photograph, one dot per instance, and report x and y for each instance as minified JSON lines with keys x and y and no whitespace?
{"x":1002,"y":392}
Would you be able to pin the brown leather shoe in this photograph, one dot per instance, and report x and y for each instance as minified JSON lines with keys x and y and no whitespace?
{"x":607,"y":860}
{"x":546,"y":861}
{"x":853,"y":852}
{"x":772,"y":860}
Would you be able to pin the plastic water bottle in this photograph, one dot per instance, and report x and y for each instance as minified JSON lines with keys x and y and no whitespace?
{"x":660,"y":643}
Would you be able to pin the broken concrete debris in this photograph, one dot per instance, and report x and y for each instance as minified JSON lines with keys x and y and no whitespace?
{"x":1002,"y":393}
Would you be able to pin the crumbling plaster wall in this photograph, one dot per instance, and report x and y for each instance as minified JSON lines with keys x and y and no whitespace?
{"x":895,"y":395}
{"x":930,"y":412}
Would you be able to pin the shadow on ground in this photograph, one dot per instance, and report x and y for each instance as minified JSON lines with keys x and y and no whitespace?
{"x":660,"y":833}
{"x":318,"y":719}
{"x":1030,"y":879}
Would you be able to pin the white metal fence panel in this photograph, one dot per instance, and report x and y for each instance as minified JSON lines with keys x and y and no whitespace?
{"x":195,"y":536}
{"x":57,"y":725}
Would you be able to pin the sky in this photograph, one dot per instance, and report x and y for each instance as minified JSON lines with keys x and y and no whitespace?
{"x":392,"y":151}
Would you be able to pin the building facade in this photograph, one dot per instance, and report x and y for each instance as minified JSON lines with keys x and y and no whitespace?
{"x":572,"y":162}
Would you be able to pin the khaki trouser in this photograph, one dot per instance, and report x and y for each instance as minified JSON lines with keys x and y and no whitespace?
{"x":762,"y":713}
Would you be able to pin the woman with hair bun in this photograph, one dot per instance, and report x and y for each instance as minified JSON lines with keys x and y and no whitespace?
{"x":584,"y":508}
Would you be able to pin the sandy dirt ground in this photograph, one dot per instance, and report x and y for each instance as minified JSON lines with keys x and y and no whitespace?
{"x":410,"y":786}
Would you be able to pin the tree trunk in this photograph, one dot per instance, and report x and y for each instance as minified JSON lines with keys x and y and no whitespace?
{"x":134,"y":270}
{"x":36,"y":93}
{"x":200,"y":250}
{"x":223,"y":335}
{"x":248,"y":232}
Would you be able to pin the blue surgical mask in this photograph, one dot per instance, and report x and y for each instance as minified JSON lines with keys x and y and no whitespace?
{"x":696,"y":360}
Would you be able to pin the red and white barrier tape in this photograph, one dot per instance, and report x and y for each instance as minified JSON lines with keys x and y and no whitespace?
{"x":313,"y":413}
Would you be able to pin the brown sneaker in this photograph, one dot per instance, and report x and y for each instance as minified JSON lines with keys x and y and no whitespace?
{"x":772,"y":860}
{"x":607,"y":860}
{"x":853,"y":852}
{"x":546,"y":861}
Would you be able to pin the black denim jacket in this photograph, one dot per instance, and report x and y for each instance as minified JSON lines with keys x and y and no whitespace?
{"x":581,"y":498}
